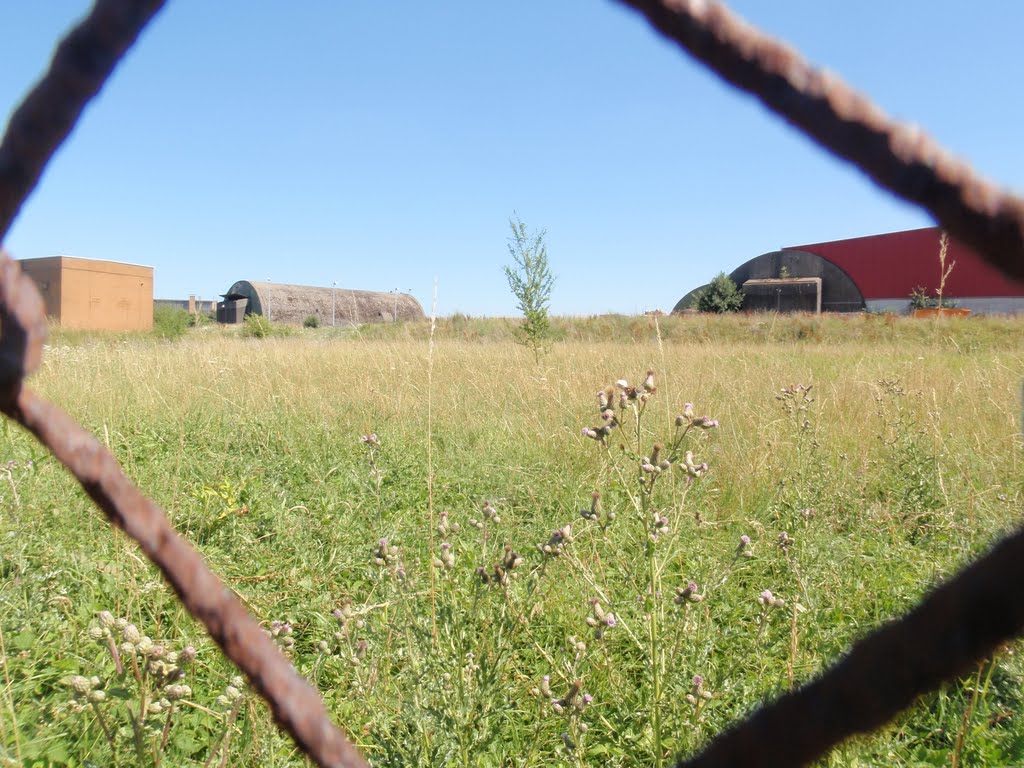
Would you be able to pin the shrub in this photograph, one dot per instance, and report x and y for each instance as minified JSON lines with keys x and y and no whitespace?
{"x":919,"y":299}
{"x":200,"y":319}
{"x":170,"y":322}
{"x":256,"y":327}
{"x":721,"y":295}
{"x":311,"y":322}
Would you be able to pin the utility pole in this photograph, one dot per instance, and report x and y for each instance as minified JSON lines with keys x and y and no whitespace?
{"x":394,"y":312}
{"x":334,"y":291}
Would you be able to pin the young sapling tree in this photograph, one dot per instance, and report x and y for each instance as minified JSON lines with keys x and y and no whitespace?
{"x":530,"y":279}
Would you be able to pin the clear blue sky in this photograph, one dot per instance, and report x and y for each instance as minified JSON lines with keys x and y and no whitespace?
{"x":381,"y":145}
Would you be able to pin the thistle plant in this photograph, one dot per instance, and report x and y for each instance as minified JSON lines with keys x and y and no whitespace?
{"x":569,"y":706}
{"x":698,"y":696}
{"x":446,"y":526}
{"x":596,"y":513}
{"x":600,"y":620}
{"x":807,"y":475}
{"x":149,"y":681}
{"x":347,"y":644}
{"x":688,"y":594}
{"x":373,"y":445}
{"x":744,"y":551}
{"x":644,"y":466}
{"x":228,"y":705}
{"x":446,"y":557}
{"x":281,"y":633}
{"x":388,"y":556}
{"x":559,"y":540}
{"x":768,"y":603}
{"x":501,"y":570}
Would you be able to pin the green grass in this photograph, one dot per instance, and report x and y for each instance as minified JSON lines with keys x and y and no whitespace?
{"x":901,"y":464}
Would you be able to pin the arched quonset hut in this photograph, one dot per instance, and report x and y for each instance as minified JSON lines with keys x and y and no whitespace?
{"x":836,"y":292}
{"x":281,"y":303}
{"x":879,"y":272}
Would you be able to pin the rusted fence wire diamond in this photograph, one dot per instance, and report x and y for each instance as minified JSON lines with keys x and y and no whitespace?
{"x":898,"y":157}
{"x":954,"y":626}
{"x":81,"y":64}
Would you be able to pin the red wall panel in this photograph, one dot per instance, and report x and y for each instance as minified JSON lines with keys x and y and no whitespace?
{"x":892,"y":265}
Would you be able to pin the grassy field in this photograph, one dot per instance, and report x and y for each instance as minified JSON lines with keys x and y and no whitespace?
{"x":396,"y":513}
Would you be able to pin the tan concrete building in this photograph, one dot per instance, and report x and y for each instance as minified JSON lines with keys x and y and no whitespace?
{"x":94,"y":295}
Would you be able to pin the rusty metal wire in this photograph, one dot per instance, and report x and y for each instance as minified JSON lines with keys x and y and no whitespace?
{"x":897,"y":156}
{"x":80,"y":66}
{"x":22,"y":327}
{"x":970,"y":616}
{"x":952,"y":628}
{"x":296,"y":705}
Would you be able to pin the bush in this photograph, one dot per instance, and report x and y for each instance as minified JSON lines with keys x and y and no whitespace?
{"x":311,"y":322}
{"x":721,"y":295}
{"x":919,"y":299}
{"x":170,"y":322}
{"x":200,"y":319}
{"x":256,"y":327}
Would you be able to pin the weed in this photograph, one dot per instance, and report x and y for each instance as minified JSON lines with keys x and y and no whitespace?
{"x":637,"y":471}
{"x":201,"y":319}
{"x":170,"y":322}
{"x":256,"y":326}
{"x":135,"y":701}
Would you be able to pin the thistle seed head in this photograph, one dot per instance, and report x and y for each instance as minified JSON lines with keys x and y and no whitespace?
{"x":79,"y":684}
{"x":648,"y":383}
{"x":131,"y":634}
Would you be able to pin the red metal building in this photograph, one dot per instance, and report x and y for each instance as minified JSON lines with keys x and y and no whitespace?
{"x":876,"y":273}
{"x":887,"y":268}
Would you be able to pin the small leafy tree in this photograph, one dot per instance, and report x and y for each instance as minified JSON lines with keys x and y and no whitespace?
{"x":721,"y":295}
{"x":531,"y":281}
